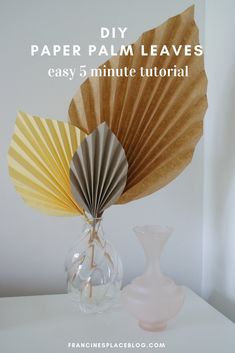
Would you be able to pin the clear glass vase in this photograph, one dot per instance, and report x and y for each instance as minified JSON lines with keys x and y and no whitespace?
{"x":94,"y":270}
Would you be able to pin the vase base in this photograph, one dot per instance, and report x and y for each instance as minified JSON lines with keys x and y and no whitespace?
{"x":152,"y":326}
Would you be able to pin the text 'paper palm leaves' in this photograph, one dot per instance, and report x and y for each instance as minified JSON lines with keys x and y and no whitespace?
{"x":158,"y":120}
{"x":39,"y":160}
{"x":98,"y":171}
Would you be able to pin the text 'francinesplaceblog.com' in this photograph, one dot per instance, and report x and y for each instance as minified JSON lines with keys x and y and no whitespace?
{"x":117,"y":345}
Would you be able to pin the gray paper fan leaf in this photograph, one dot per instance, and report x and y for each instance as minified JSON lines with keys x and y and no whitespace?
{"x":98,"y":171}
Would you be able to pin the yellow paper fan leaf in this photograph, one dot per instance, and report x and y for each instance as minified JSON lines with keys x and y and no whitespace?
{"x":39,"y":159}
{"x":158,"y":120}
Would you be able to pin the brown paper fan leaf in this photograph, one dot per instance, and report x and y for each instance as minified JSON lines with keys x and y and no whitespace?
{"x":158,"y":120}
{"x":98,"y":171}
{"x":39,"y":160}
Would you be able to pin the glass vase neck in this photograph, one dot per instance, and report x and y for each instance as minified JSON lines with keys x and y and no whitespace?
{"x":93,"y":228}
{"x":92,"y":220}
{"x":153,"y":239}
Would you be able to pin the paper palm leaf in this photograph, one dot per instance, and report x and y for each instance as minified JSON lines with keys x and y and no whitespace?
{"x":98,"y":171}
{"x":39,"y":160}
{"x":157,"y":120}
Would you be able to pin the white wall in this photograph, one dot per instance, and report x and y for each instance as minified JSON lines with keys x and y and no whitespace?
{"x":32,"y":245}
{"x":219,"y":191}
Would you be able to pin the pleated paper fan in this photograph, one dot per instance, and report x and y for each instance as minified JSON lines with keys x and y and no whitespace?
{"x":158,"y":120}
{"x":98,"y":171}
{"x":39,"y":160}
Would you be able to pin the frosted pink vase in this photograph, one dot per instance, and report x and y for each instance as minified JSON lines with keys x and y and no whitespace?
{"x":153,"y":298}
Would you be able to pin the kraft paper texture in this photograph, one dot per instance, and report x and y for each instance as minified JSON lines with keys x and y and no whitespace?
{"x":158,"y":121}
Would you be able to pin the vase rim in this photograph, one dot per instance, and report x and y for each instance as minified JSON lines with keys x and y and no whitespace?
{"x":90,"y":219}
{"x":153,"y":229}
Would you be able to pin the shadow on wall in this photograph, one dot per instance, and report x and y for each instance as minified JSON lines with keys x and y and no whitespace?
{"x":224,"y":304}
{"x":223,"y":239}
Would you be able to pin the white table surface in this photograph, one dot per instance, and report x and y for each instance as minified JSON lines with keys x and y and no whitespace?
{"x":46,"y":324}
